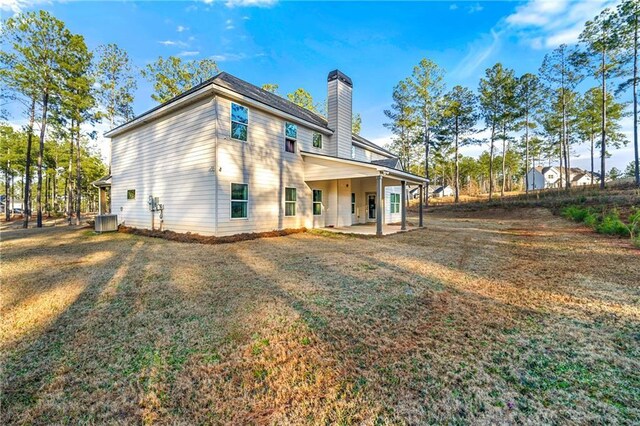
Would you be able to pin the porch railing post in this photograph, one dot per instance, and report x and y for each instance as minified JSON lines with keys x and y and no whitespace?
{"x":404,"y":205}
{"x":379,"y":206}
{"x":421,"y":224}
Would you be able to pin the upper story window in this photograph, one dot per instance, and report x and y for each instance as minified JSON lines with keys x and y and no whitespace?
{"x":290,"y":137}
{"x":317,"y":140}
{"x":353,"y":152}
{"x":239,"y":122}
{"x":131,"y":194}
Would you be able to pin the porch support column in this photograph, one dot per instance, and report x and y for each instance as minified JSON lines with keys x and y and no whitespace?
{"x":403,"y":201}
{"x":420,"y":208}
{"x":379,"y":211}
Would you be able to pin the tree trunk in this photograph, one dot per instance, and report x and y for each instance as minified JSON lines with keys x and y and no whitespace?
{"x":526,"y":151}
{"x":635,"y":96}
{"x":69,"y":178}
{"x":43,"y":128}
{"x":603,"y":148}
{"x":592,"y":147}
{"x":426,"y":166}
{"x":493,"y":133}
{"x":78,"y":176}
{"x":7,"y":198}
{"x":457,"y":172}
{"x":504,"y":159}
{"x":26,"y":211}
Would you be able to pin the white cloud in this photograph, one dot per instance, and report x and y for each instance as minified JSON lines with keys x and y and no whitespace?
{"x":453,"y":6}
{"x":231,"y":57}
{"x":250,"y":3}
{"x":229,"y":24}
{"x":545,"y":24}
{"x":182,"y":28}
{"x":17,"y":6}
{"x":189,"y":53}
{"x":475,"y":8}
{"x":478,"y":53}
{"x":173,"y":43}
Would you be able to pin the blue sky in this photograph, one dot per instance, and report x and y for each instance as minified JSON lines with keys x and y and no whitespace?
{"x":295,"y":44}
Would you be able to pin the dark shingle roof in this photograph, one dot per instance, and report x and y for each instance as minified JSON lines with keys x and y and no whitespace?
{"x":257,"y":94}
{"x":392,"y":163}
{"x":249,"y":90}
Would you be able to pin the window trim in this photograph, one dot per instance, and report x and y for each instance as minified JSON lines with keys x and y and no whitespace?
{"x":313,"y":142}
{"x":314,"y":202}
{"x":134,"y":194}
{"x":237,"y":122}
{"x":287,"y":138}
{"x":231,"y":201}
{"x":295,"y":202}
{"x":395,"y":204}
{"x":353,"y":203}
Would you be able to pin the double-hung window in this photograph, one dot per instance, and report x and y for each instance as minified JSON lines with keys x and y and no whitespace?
{"x":317,"y":202}
{"x":239,"y":200}
{"x":317,"y":140}
{"x":239,"y":122}
{"x":395,"y":203}
{"x":289,"y":201}
{"x":290,"y":137}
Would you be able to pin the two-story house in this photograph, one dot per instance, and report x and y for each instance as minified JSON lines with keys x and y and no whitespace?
{"x":227,"y":157}
{"x":553,"y":177}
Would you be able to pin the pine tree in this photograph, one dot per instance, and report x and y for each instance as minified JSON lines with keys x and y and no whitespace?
{"x":459,"y":118}
{"x":172,"y":76}
{"x":561,"y":71}
{"x":628,"y":28}
{"x":427,"y":85}
{"x":529,"y":96}
{"x":602,"y":43}
{"x":403,"y":122}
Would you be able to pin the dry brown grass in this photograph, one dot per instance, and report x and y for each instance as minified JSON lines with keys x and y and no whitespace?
{"x":491,"y":316}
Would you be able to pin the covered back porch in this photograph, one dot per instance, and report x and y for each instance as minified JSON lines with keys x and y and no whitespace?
{"x":358,"y":197}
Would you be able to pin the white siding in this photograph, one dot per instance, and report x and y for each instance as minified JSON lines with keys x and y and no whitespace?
{"x":170,"y":159}
{"x":363,"y":154}
{"x":340,"y":117}
{"x":263,"y":164}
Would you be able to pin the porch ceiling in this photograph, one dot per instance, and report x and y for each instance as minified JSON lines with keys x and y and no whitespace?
{"x":319,"y":167}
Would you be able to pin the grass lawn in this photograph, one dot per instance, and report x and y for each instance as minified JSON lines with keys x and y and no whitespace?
{"x":492,"y":316}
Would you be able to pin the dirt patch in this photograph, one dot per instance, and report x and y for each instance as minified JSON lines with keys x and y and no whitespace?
{"x":204,"y":239}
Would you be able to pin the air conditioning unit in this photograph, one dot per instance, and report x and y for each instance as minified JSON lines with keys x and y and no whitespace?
{"x":106,"y":223}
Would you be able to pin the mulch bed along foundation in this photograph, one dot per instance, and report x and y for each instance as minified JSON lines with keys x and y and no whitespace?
{"x":204,"y":239}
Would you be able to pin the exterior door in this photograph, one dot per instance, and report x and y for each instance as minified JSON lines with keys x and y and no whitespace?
{"x":371,"y":206}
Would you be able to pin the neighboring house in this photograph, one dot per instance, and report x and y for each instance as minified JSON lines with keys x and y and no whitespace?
{"x":553,"y":177}
{"x":227,"y":157}
{"x":443,"y":191}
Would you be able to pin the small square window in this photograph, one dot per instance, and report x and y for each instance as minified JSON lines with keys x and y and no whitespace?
{"x":317,"y":202}
{"x":317,"y":140}
{"x":291,"y":130}
{"x":131,"y":194}
{"x":290,"y":201}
